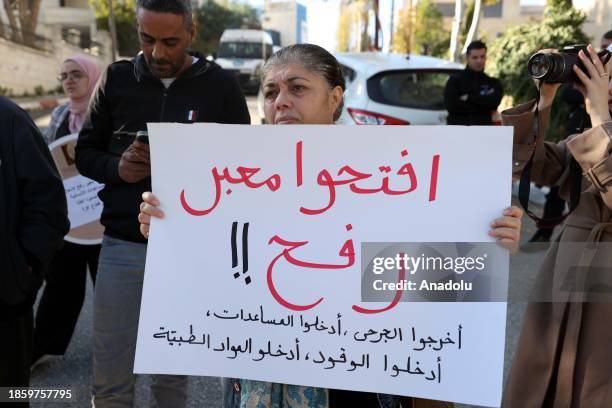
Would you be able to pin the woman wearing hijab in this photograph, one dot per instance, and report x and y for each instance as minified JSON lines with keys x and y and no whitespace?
{"x":66,"y":277}
{"x":303,"y":84}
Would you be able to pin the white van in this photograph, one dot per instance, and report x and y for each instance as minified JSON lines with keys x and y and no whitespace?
{"x":244,"y":52}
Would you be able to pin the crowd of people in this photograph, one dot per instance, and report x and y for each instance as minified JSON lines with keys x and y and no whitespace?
{"x":301,"y":84}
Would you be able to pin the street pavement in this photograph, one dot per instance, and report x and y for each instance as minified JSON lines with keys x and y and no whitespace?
{"x":74,"y":370}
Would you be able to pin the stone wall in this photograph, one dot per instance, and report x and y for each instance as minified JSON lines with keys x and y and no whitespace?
{"x":23,"y":68}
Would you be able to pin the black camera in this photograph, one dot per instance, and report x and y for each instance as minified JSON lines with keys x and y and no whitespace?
{"x":553,"y":67}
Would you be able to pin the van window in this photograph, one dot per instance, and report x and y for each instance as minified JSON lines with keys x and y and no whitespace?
{"x":416,"y":89}
{"x":247,"y":50}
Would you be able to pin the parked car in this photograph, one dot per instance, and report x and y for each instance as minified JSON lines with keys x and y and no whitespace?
{"x":392,"y":89}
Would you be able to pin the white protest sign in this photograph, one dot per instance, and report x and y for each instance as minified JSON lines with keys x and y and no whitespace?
{"x":84,"y":206}
{"x":255,"y":271}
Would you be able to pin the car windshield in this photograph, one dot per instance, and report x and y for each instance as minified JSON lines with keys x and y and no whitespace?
{"x":416,"y":89}
{"x":249,"y":50}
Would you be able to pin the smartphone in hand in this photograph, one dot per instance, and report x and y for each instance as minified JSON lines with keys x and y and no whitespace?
{"x":142,"y":136}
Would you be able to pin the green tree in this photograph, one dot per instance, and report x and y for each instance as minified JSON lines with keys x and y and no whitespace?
{"x":343,"y":35}
{"x":402,"y":38}
{"x":562,"y":4}
{"x":561,"y":25}
{"x":212,"y":19}
{"x":465,"y":24}
{"x":22,"y":17}
{"x":473,"y":19}
{"x":353,"y":32}
{"x":125,"y":21}
{"x":430,"y":37}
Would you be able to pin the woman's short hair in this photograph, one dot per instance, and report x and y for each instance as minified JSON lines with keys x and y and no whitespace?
{"x":313,"y":58}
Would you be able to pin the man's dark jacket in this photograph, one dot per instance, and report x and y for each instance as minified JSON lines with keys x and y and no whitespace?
{"x":33,"y":214}
{"x":484,"y":95}
{"x":127,"y":98}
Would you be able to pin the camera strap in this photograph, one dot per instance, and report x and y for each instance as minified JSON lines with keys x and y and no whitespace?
{"x":575,"y":180}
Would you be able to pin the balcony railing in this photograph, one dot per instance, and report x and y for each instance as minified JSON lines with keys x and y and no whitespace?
{"x":74,"y":37}
{"x":41,"y":43}
{"x":26,"y":38}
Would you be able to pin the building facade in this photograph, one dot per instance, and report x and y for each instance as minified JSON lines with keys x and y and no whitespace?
{"x":506,"y":13}
{"x":73,"y":20}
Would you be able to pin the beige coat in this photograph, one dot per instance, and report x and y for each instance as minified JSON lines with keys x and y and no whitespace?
{"x":564,"y":354}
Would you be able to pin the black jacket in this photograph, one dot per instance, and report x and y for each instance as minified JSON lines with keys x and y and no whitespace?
{"x":484,"y":95}
{"x":33,"y":214}
{"x":129,"y":96}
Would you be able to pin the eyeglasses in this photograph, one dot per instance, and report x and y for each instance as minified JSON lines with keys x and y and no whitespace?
{"x":73,"y":76}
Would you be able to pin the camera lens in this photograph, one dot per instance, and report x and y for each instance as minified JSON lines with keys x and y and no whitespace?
{"x":558,"y":67}
{"x":540,"y":65}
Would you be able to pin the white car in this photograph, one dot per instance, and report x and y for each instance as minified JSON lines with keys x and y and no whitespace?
{"x":392,"y":89}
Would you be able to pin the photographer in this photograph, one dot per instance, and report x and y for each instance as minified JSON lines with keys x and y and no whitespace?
{"x":563,"y":356}
{"x":577,"y":120}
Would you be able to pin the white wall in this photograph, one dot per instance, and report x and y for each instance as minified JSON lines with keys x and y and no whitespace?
{"x":599,"y":17}
{"x":23,"y":68}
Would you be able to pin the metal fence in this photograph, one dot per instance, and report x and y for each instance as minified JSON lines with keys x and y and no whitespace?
{"x":26,"y":38}
{"x":91,"y":47}
{"x":41,"y":43}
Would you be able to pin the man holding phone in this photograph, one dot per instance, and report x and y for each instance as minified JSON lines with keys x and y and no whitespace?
{"x":164,"y":83}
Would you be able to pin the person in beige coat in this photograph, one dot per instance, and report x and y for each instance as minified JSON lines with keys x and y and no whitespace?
{"x":564,"y":354}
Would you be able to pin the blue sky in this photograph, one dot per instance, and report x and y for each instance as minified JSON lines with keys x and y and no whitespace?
{"x":323,"y":20}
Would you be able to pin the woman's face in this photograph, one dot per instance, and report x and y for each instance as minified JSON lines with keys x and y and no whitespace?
{"x":295,"y":95}
{"x":74,"y":80}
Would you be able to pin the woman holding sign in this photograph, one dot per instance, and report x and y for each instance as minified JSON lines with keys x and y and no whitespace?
{"x":304,"y":84}
{"x":64,"y":291}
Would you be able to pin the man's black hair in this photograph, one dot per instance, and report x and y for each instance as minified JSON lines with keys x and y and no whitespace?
{"x":608,"y":35}
{"x":179,"y":7}
{"x":476,"y":45}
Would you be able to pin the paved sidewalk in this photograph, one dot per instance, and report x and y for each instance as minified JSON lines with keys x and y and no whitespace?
{"x":38,"y":103}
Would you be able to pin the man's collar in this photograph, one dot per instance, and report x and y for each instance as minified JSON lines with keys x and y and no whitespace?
{"x":141,"y":68}
{"x":468,"y":69}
